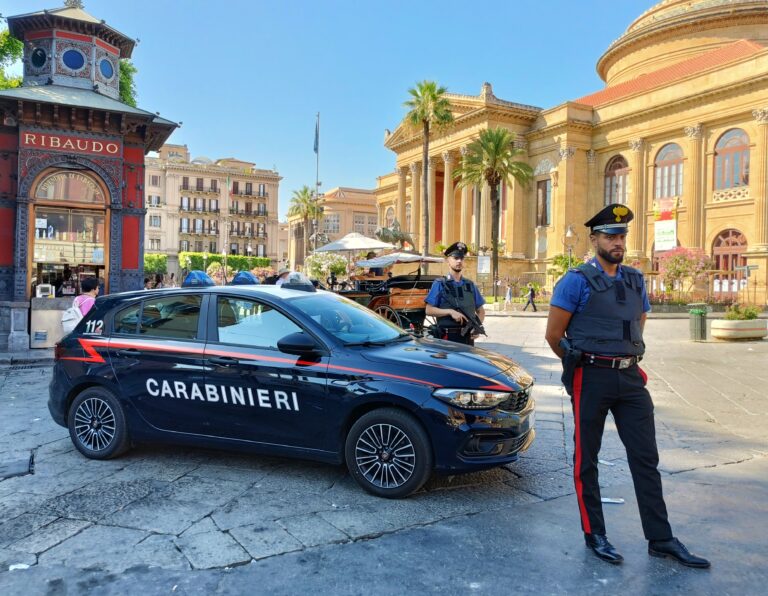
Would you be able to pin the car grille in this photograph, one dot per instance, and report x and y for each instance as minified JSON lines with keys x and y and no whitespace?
{"x":517,"y":401}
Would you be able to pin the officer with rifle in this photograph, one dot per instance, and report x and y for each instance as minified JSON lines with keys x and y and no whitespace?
{"x":456,"y":302}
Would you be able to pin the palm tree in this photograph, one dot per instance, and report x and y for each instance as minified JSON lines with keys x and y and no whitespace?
{"x":491,"y":159}
{"x":428,"y":107}
{"x":304,"y":205}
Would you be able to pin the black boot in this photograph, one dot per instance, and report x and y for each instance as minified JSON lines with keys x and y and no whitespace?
{"x":602,"y":548}
{"x":674,"y":549}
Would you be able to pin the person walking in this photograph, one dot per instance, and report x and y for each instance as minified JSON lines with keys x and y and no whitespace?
{"x":531,"y":294}
{"x":595,"y":325}
{"x":452,"y":293}
{"x":89,"y":289}
{"x":508,"y":296}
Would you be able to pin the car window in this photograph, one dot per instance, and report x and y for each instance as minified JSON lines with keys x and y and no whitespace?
{"x":127,"y":320}
{"x":250,"y":323}
{"x":174,"y":317}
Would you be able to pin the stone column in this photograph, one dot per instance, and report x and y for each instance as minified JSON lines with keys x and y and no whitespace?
{"x":693,"y":188}
{"x":760,"y":181}
{"x":636,"y":199}
{"x":465,"y":223}
{"x":416,"y":205}
{"x":433,"y":161}
{"x":449,"y":203}
{"x":400,"y":208}
{"x":485,"y":216}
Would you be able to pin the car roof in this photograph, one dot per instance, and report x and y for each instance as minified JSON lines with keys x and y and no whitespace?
{"x":254,"y":290}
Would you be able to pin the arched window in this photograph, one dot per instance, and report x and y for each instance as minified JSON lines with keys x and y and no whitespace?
{"x":616,"y":180}
{"x":732,"y":160}
{"x":390,"y":216}
{"x":408,"y":218}
{"x":668,"y":172}
{"x":728,"y":252}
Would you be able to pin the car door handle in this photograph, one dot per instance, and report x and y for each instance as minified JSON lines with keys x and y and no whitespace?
{"x":128,"y":352}
{"x":223,"y":360}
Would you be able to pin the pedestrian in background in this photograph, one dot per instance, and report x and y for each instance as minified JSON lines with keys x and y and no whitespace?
{"x":595,"y":325}
{"x":89,"y":289}
{"x":158,"y":285}
{"x":531,"y":298}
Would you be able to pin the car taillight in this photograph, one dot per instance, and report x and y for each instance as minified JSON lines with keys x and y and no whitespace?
{"x":58,"y":351}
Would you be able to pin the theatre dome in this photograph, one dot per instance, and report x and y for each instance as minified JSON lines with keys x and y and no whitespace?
{"x":675,"y":30}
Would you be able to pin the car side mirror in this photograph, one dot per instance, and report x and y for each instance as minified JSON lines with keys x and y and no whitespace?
{"x":298,"y":343}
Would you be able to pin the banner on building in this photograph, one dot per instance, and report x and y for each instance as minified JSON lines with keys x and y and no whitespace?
{"x":665,"y":224}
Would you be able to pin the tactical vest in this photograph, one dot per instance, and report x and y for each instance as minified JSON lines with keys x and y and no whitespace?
{"x":453,"y":296}
{"x":609,"y":325}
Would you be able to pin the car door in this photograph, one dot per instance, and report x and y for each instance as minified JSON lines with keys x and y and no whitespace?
{"x":264,"y":395}
{"x":156,"y":351}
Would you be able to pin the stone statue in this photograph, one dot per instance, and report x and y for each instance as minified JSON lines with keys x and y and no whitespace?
{"x":395,"y":235}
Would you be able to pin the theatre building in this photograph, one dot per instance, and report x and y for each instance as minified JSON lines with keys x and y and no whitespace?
{"x":679,"y":133}
{"x":71,"y":173}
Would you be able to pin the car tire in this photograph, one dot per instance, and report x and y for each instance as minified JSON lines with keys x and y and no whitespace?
{"x":97,"y":425}
{"x":388,"y":453}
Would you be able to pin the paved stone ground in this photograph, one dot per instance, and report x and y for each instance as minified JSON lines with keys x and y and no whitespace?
{"x":204,"y":520}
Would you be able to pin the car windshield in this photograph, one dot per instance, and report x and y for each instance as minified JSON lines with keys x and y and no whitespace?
{"x":347,"y":320}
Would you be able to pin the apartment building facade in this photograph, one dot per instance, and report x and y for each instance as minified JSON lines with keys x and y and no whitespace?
{"x":200,"y":205}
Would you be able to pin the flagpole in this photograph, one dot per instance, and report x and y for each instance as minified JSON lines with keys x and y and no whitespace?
{"x":317,"y":178}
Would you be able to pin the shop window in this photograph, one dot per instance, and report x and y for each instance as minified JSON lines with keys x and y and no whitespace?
{"x":668,"y":172}
{"x":615,"y":187}
{"x":543,"y":202}
{"x":72,"y":187}
{"x":732,"y":160}
{"x":173,"y":317}
{"x":68,"y":236}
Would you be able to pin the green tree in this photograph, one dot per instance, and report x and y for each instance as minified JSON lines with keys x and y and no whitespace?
{"x":304,"y":205}
{"x":428,"y":108}
{"x":560,"y":264}
{"x":127,"y":85}
{"x":155,"y":263}
{"x":11,"y":50}
{"x":491,"y":159}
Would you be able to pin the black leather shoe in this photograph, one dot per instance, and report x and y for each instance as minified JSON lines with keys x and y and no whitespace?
{"x":602,"y":548}
{"x":674,"y":549}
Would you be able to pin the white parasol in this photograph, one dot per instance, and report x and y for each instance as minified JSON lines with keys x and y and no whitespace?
{"x":398,"y":257}
{"x":354,"y":241}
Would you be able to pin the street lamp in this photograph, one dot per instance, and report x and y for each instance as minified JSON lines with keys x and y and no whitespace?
{"x":224,"y":273}
{"x":249,"y":249}
{"x":569,"y":241}
{"x":205,"y":262}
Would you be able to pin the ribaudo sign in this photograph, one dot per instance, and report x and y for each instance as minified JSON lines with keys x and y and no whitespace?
{"x":70,"y":144}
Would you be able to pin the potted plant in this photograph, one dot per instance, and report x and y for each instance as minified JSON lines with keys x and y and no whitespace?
{"x":740,"y":322}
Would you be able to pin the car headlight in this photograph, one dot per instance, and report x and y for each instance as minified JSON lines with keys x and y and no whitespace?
{"x":472,"y":398}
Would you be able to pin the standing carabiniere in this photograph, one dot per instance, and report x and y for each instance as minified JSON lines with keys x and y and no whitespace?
{"x":595,"y":325}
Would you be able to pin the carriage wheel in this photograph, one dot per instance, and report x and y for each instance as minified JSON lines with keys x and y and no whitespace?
{"x":389,"y":314}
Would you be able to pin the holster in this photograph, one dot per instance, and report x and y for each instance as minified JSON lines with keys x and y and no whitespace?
{"x":571,"y":361}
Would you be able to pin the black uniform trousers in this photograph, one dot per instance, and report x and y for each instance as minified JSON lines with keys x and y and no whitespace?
{"x":594,"y":392}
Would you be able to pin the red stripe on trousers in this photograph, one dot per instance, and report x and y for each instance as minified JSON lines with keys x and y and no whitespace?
{"x":577,"y":376}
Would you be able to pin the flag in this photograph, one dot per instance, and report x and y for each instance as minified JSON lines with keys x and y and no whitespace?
{"x":317,"y":134}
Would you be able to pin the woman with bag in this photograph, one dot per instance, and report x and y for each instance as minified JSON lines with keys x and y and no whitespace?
{"x":81,"y":305}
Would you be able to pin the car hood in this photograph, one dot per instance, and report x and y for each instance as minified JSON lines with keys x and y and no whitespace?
{"x":452,"y":365}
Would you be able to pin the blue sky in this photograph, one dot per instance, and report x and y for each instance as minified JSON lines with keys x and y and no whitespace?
{"x":247,"y":77}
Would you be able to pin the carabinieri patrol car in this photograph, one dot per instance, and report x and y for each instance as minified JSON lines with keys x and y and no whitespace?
{"x":282,"y":371}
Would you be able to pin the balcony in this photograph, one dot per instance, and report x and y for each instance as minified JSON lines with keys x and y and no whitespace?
{"x":205,"y":190}
{"x":244,"y":193}
{"x":193,"y":209}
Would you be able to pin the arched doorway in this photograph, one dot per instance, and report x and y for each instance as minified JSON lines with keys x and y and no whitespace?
{"x":70,"y":231}
{"x":728,"y":253}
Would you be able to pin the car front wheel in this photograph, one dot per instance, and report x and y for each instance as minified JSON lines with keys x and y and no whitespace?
{"x":97,"y":424}
{"x":388,"y":453}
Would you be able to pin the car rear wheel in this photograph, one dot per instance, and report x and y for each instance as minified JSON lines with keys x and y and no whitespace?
{"x":97,"y":424}
{"x":388,"y":453}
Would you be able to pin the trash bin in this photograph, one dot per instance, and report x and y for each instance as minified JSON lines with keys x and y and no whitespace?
{"x":698,"y":324}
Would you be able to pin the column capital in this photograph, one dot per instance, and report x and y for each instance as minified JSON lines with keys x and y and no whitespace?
{"x":415,"y":167}
{"x":448,"y":158}
{"x":591,"y":157}
{"x":433,"y":161}
{"x":464,"y":150}
{"x":566,"y":152}
{"x":693,"y":132}
{"x":637,"y":144}
{"x":761,"y":115}
{"x":520,"y":144}
{"x":402,"y":171}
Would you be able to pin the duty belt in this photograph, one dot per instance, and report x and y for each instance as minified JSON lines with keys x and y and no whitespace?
{"x":619,"y":362}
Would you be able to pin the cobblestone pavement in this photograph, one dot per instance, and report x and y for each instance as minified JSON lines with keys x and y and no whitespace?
{"x":175,"y":509}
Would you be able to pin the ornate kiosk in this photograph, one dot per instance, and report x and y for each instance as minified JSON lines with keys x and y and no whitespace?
{"x":71,"y":173}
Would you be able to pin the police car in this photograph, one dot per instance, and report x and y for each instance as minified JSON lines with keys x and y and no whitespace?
{"x":282,"y":371}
